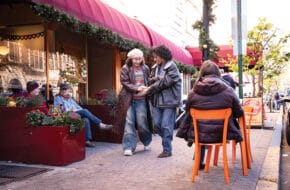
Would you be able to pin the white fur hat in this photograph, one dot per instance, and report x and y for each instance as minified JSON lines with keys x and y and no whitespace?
{"x":135,"y":53}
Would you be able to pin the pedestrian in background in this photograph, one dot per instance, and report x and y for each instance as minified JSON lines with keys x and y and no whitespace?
{"x":277,"y":101}
{"x":133,"y":102}
{"x":227,"y":77}
{"x":165,"y":92}
{"x":16,"y":88}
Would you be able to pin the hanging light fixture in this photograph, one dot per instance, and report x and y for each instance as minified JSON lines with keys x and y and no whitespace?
{"x":4,"y":49}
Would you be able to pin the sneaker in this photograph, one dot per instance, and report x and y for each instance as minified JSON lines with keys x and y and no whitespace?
{"x":147,"y":148}
{"x":128,"y":152}
{"x":105,"y":126}
{"x":164,"y":154}
{"x":90,"y":144}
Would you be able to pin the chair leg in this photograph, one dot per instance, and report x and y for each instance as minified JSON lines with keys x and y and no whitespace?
{"x":249,"y":148}
{"x":226,"y":166}
{"x":244,"y":158}
{"x":248,"y":156}
{"x":216,"y":154}
{"x":196,"y":162}
{"x":208,"y":156}
{"x":233,"y":151}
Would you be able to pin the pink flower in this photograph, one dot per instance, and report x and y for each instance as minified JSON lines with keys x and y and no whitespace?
{"x":74,"y":116}
{"x":101,"y":95}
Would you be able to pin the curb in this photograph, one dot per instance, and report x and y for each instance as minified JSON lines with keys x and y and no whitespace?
{"x":269,"y":176}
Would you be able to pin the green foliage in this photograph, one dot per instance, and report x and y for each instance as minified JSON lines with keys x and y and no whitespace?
{"x":3,"y":101}
{"x":37,"y":118}
{"x":203,"y":38}
{"x":265,"y":53}
{"x":20,"y":101}
{"x":188,"y":69}
{"x":34,"y":101}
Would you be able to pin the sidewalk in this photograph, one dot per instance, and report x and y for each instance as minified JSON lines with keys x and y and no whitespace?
{"x":105,"y":168}
{"x":269,"y":177}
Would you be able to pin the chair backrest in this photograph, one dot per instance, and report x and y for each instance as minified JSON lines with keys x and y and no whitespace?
{"x":217,"y":114}
{"x":248,"y":110}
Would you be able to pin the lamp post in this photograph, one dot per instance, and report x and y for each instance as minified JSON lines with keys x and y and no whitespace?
{"x":205,"y":52}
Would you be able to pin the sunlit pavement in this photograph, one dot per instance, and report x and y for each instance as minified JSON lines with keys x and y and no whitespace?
{"x":106,"y":168}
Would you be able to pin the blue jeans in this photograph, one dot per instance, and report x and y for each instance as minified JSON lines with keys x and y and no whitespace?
{"x":88,"y":116}
{"x":164,"y":120}
{"x":136,"y":119}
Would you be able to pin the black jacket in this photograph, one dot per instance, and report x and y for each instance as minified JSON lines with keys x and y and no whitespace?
{"x":165,"y":92}
{"x":211,"y":92}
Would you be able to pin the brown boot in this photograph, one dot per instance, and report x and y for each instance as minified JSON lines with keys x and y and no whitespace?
{"x":164,"y":154}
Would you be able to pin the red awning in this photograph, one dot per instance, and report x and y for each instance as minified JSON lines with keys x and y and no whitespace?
{"x":97,"y":13}
{"x":223,"y":53}
{"x":178,"y":53}
{"x":196,"y":55}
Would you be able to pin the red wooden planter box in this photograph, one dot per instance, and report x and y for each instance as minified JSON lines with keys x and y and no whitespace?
{"x":53,"y":145}
{"x":104,"y":113}
{"x":37,"y":145}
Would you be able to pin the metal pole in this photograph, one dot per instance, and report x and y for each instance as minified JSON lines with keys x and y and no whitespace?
{"x":46,"y":62}
{"x":87,"y":73}
{"x":205,"y":21}
{"x":239,"y":31}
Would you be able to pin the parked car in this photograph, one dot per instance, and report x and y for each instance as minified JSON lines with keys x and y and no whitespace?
{"x":286,"y":118}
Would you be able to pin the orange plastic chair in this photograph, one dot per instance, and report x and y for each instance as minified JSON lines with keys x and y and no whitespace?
{"x":245,"y":123}
{"x":246,"y":163}
{"x":248,"y":119}
{"x":248,"y":111}
{"x":221,"y":114}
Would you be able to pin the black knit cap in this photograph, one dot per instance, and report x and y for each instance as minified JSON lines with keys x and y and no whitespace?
{"x":31,"y":85}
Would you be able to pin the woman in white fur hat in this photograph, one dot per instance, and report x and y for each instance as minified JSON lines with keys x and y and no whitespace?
{"x":132,"y":102}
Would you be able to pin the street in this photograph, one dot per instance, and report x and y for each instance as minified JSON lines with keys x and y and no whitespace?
{"x":284,"y":173}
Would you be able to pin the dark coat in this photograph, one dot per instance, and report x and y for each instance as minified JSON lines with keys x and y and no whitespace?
{"x":211,"y":92}
{"x":165,"y":92}
{"x":125,"y":96}
{"x":230,"y":80}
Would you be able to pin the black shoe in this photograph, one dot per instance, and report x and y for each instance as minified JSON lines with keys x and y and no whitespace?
{"x":201,"y":166}
{"x":90,"y":144}
{"x":164,"y":154}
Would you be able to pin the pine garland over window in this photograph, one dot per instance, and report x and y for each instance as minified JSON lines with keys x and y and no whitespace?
{"x":99,"y":33}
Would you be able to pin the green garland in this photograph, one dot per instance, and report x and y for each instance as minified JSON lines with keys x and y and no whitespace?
{"x":203,"y":39}
{"x":186,"y":68}
{"x":99,"y":33}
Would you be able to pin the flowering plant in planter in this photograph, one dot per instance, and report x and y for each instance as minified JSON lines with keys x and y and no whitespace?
{"x":21,"y":101}
{"x":103,"y":97}
{"x":55,"y":117}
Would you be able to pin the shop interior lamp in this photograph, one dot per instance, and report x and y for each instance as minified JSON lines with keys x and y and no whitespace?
{"x":4,"y":49}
